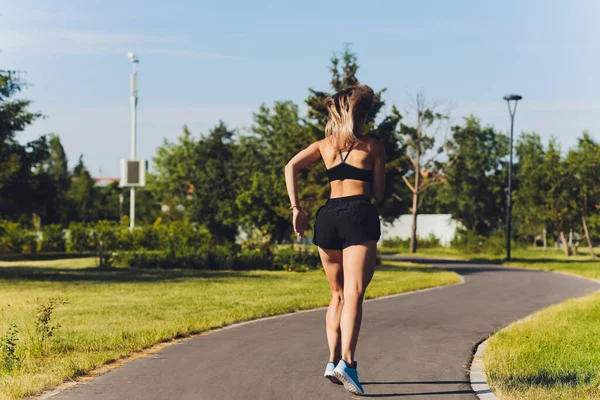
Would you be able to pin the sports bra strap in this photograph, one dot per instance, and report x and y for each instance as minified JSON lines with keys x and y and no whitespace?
{"x":347,"y":154}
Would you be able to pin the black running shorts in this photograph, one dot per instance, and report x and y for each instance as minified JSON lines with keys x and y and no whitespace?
{"x":346,"y":221}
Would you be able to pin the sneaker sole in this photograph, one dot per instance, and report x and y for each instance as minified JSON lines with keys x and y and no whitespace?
{"x":347,"y":382}
{"x":333,"y":379}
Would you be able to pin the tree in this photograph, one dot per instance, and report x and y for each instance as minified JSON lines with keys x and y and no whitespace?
{"x":529,"y":198}
{"x":262,"y":198}
{"x":17,"y":162}
{"x":583,"y":164}
{"x":475,"y":181}
{"x":424,"y":167}
{"x":83,"y":195}
{"x":560,"y":197}
{"x":200,"y":175}
{"x":54,"y":181}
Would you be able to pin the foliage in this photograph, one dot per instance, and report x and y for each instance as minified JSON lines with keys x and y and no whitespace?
{"x":469,"y":242}
{"x":9,"y":357}
{"x":15,"y":239}
{"x":475,"y":181}
{"x":43,"y":318}
{"x":80,"y":238}
{"x":429,"y":242}
{"x":53,"y":239}
{"x":277,"y":134}
{"x":530,"y":197}
{"x":198,"y":176}
{"x":583,"y":165}
{"x":19,"y":179}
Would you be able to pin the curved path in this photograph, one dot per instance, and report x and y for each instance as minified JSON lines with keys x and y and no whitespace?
{"x":416,"y":346}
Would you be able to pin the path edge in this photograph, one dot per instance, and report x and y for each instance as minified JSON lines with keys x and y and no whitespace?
{"x":477,"y":376}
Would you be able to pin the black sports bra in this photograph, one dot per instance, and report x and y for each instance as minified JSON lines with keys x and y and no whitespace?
{"x":346,"y":171}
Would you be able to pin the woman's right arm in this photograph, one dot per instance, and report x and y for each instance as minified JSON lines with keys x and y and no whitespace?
{"x":300,"y":161}
{"x":378,"y":188}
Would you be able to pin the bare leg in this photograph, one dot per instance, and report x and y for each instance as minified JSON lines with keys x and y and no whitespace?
{"x":332,"y":263}
{"x":358,"y":266}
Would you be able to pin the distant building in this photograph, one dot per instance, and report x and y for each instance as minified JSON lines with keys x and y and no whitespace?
{"x":104,"y":182}
{"x":442,"y":226}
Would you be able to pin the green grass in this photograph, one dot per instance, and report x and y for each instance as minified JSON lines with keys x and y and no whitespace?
{"x":553,"y":355}
{"x":113,"y":313}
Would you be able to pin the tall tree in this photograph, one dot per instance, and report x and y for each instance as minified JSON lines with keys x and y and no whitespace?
{"x":54,"y":177}
{"x":529,"y":198}
{"x":583,"y":163}
{"x":83,"y":195}
{"x":425,"y":168}
{"x":277,"y":134}
{"x":199,"y":176}
{"x":475,"y":189}
{"x":17,"y":162}
{"x":560,"y":197}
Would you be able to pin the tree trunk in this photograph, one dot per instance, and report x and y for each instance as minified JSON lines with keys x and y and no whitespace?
{"x":589,"y":240}
{"x":413,"y":234}
{"x":571,"y":237}
{"x":534,"y":242}
{"x":417,"y":165}
{"x":544,"y":238}
{"x":564,"y":243}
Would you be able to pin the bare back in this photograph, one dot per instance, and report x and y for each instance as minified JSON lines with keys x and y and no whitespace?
{"x":363,"y":155}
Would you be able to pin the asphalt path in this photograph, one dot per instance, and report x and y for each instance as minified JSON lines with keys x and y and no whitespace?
{"x":414,"y":346}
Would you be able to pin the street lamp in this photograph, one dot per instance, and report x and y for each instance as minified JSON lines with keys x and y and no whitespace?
{"x":133,"y":99}
{"x":509,"y":98}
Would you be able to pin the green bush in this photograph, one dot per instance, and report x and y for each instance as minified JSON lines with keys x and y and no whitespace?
{"x":109,"y":233}
{"x":289,"y":259}
{"x":396,"y":242}
{"x":15,"y":239}
{"x":428,"y":242}
{"x":470,"y":243}
{"x":80,"y":238}
{"x":229,"y":256}
{"x":53,"y":239}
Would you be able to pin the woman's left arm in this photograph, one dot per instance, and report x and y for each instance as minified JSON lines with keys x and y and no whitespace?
{"x":300,"y":161}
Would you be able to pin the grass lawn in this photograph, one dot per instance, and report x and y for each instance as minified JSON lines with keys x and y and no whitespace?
{"x":553,"y":355}
{"x":113,"y":313}
{"x":556,"y":353}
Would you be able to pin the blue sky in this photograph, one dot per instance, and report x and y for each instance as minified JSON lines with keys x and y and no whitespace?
{"x":205,"y":61}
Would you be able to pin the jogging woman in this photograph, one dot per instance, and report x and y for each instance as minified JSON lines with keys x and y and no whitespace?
{"x":347,"y":226}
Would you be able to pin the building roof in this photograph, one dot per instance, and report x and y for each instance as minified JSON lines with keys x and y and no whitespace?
{"x":105,"y":181}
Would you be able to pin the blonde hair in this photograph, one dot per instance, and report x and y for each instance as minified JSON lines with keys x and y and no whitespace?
{"x":348,"y":111}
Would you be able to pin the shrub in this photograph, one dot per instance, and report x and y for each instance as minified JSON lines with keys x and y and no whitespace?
{"x":470,"y":243}
{"x":423,"y":243}
{"x":11,"y":237}
{"x":289,"y":259}
{"x":396,"y":242}
{"x":109,"y":233}
{"x":9,"y":357}
{"x":53,"y":239}
{"x":230,"y":256}
{"x":80,"y":238}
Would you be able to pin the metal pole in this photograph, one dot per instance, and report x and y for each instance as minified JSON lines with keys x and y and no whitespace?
{"x":509,"y":192}
{"x":133,"y":100}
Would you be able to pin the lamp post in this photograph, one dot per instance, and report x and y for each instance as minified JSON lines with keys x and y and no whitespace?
{"x":511,"y":111}
{"x":133,"y":99}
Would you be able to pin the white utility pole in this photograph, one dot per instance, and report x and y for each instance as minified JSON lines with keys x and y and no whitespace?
{"x":133,"y":100}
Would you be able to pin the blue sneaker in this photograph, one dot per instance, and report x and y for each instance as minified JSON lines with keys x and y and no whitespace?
{"x":349,"y":377}
{"x":329,"y":373}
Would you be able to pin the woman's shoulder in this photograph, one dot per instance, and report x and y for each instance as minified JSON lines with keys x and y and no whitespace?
{"x":375,"y":146}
